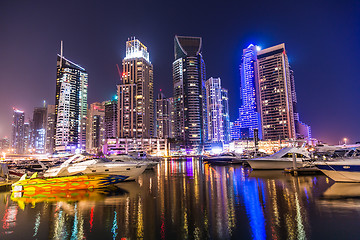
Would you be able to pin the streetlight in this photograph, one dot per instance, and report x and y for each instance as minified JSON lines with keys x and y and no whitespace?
{"x":345,"y":139}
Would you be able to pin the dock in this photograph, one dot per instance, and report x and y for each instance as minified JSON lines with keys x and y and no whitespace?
{"x":6,"y":185}
{"x":303,"y":171}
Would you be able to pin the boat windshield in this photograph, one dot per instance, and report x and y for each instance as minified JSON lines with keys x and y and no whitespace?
{"x":96,"y":159}
{"x":297,"y":155}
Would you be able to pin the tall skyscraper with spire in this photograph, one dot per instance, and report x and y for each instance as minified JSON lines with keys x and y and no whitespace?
{"x":136,"y":93}
{"x":190,"y":118}
{"x":70,"y":105}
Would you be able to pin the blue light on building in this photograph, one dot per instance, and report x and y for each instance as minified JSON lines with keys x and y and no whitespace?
{"x":249,"y":112}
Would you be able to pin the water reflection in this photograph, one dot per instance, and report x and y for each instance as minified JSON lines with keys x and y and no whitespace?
{"x":180,"y":199}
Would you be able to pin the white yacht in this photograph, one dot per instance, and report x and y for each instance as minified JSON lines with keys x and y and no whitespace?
{"x":80,"y":164}
{"x":281,"y":159}
{"x":151,"y":162}
{"x":343,"y":167}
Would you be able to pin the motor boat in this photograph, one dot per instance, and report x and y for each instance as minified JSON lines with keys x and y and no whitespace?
{"x":81,"y":164}
{"x":151,"y":162}
{"x":342,"y":166}
{"x":224,"y":158}
{"x":282,"y":159}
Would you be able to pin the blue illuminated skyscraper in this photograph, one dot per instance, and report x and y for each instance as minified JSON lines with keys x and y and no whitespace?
{"x":249,"y":112}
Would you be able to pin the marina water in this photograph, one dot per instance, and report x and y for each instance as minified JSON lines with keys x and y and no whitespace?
{"x":187,"y":199}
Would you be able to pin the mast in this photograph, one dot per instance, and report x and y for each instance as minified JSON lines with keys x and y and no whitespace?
{"x":61,"y":53}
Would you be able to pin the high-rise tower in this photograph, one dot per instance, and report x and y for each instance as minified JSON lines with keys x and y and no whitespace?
{"x":136,"y":93}
{"x":190,"y":118}
{"x":111,"y":118}
{"x":95,"y":129}
{"x":163,"y":116}
{"x":70,"y":105}
{"x":39,"y":129}
{"x":249,"y":112}
{"x":275,"y":95}
{"x":225,"y":114}
{"x":50,"y":128}
{"x":17,"y":139}
{"x":214,"y":110}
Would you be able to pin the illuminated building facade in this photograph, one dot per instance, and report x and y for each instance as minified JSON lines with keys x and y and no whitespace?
{"x":190,"y":118}
{"x":39,"y":129}
{"x":249,"y":112}
{"x":50,"y":128}
{"x":214,"y":110}
{"x":163,"y":108}
{"x":275,"y":95}
{"x":70,"y":106}
{"x":17,"y":138}
{"x":172,"y":114}
{"x":28,"y":137}
{"x":111,"y":118}
{"x":4,"y":144}
{"x":95,"y":129}
{"x":225,"y":114}
{"x":135,"y":93}
{"x":153,"y":146}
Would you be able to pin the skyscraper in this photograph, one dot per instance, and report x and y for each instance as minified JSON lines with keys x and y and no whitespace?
{"x":28,"y":137}
{"x":17,"y":138}
{"x":70,"y":105}
{"x":163,"y":116}
{"x":95,"y":127}
{"x":190,"y":119}
{"x":214,"y":110}
{"x":275,"y":95}
{"x":50,"y":128}
{"x":39,"y":129}
{"x":303,"y":131}
{"x":111,"y":118}
{"x":135,"y":93}
{"x":249,"y":112}
{"x":225,"y":115}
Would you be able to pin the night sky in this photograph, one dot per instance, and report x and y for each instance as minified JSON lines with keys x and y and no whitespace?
{"x":322,"y":39}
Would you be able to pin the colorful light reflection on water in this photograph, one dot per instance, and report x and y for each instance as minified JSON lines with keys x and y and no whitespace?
{"x":187,"y":199}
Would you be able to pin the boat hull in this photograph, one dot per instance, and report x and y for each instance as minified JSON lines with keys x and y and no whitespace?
{"x":341,"y":173}
{"x":66,"y":183}
{"x":220,"y":160}
{"x":267,"y":164}
{"x":130,"y":171}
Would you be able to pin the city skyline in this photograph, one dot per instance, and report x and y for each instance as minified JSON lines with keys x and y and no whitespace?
{"x":321,"y":89}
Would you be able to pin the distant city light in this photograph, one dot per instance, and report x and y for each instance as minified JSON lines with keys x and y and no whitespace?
{"x":258,"y":48}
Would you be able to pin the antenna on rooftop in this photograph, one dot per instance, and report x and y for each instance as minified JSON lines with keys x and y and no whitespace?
{"x":61,"y":53}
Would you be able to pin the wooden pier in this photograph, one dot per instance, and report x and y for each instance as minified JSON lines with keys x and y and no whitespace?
{"x":303,"y":171}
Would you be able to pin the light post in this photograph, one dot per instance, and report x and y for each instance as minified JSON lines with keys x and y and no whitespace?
{"x":345,"y":140}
